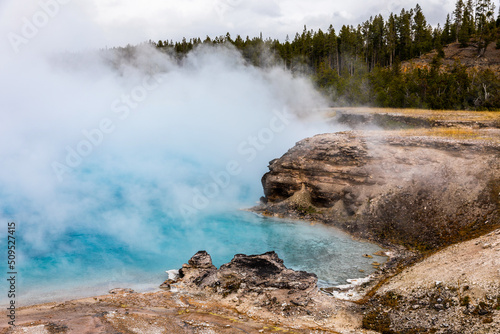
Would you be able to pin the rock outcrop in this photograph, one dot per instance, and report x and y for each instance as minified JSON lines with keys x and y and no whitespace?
{"x":421,"y":192}
{"x":263,"y":278}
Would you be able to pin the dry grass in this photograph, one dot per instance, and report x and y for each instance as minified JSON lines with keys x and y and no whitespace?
{"x":462,"y":134}
{"x":451,"y":115}
{"x":454,"y":133}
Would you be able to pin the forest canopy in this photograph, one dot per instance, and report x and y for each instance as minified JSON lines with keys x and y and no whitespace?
{"x":372,"y":63}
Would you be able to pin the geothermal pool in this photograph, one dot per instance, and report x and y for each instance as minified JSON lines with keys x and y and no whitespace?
{"x":110,"y":194}
{"x":82,"y":263}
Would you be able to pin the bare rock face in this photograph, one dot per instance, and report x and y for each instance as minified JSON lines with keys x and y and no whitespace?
{"x":201,"y":260}
{"x":267,"y":270}
{"x":199,"y":271}
{"x":421,"y":192}
{"x":263,"y":278}
{"x":326,"y":164}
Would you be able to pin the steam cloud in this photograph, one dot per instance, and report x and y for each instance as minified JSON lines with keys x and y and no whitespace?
{"x":93,"y":142}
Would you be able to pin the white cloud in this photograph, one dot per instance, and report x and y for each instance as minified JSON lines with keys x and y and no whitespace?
{"x":101,"y":23}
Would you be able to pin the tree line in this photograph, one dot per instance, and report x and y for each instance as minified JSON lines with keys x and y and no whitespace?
{"x":362,"y":64}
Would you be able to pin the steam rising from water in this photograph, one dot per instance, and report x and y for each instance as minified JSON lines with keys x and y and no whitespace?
{"x":86,"y":138}
{"x":120,"y":149}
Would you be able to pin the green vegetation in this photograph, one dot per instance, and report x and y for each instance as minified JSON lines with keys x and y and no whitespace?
{"x":363,"y":65}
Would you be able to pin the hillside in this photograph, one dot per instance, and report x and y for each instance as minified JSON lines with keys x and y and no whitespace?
{"x":467,"y":56}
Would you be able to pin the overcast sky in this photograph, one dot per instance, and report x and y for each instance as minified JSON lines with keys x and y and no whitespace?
{"x":100,"y":23}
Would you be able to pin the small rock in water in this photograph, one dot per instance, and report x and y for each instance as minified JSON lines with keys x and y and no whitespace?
{"x":367,"y":256}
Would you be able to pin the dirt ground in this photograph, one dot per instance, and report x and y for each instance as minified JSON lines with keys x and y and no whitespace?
{"x":172,"y":313}
{"x":456,"y":290}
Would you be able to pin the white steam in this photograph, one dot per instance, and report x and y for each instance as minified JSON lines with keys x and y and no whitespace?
{"x":93,"y":141}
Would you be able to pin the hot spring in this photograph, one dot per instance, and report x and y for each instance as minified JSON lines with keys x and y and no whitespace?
{"x":116,"y":168}
{"x":82,"y":262}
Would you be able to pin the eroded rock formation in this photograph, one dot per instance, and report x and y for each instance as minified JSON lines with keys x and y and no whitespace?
{"x":418,"y":191}
{"x":262,"y":278}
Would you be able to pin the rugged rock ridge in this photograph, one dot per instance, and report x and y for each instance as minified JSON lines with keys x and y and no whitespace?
{"x":422,"y":192}
{"x":262,"y":278}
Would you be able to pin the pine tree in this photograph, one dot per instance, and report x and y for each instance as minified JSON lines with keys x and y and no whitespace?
{"x":469,"y":12}
{"x":332,"y":47}
{"x":421,"y":32}
{"x":467,"y":26}
{"x":458,"y":15}
{"x":391,"y":37}
{"x":377,"y":37}
{"x":446,"y":35}
{"x":484,"y":19}
{"x":404,"y":28}
{"x":437,"y":41}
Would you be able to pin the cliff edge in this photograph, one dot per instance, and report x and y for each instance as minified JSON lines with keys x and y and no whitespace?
{"x":420,"y":192}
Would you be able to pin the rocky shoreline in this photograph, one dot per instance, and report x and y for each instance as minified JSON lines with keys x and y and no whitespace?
{"x":258,"y":294}
{"x":415,"y":195}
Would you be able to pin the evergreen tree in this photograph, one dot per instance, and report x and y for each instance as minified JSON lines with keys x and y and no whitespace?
{"x":332,"y":47}
{"x":421,"y":32}
{"x":404,"y":27}
{"x":458,"y":15}
{"x":447,"y":36}
{"x":469,"y":12}
{"x":467,"y":26}
{"x":377,"y":40}
{"x":363,"y":64}
{"x":484,"y":19}
{"x":437,"y":41}
{"x":391,"y":37}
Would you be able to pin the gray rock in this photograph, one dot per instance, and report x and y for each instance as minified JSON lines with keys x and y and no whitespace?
{"x":438,"y":306}
{"x":201,"y":260}
{"x":263,"y":274}
{"x":120,"y":290}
